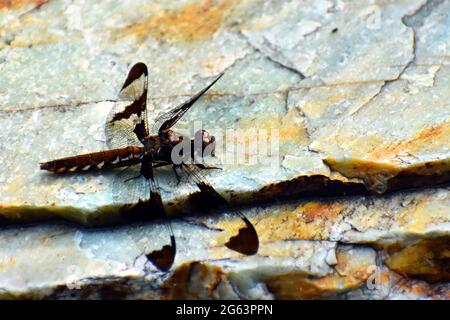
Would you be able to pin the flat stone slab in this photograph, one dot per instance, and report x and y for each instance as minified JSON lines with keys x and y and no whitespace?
{"x":357,"y":248}
{"x":332,"y":121}
{"x":292,"y":77}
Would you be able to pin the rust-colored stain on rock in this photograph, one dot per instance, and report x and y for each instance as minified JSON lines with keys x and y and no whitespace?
{"x":193,"y":280}
{"x":425,"y":259}
{"x":427,"y":138}
{"x":311,"y":221}
{"x":15,"y":4}
{"x":298,"y":285}
{"x":380,"y":177}
{"x":318,"y":210}
{"x":295,"y":286}
{"x":195,"y":21}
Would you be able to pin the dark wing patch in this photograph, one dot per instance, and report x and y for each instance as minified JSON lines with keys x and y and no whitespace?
{"x":135,"y":73}
{"x":246,"y":241}
{"x":126,"y":124}
{"x":162,"y":258}
{"x":168,"y":119}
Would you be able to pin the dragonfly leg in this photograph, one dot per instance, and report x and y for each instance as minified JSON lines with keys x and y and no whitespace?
{"x":203,"y":167}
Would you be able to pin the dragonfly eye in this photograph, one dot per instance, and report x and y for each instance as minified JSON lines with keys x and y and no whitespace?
{"x":174,"y":137}
{"x":206,"y":138}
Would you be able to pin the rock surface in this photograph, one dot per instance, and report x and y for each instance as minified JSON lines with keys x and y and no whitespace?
{"x":350,"y":97}
{"x":358,"y":247}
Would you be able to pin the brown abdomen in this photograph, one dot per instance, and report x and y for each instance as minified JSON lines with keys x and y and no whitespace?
{"x":94,"y":161}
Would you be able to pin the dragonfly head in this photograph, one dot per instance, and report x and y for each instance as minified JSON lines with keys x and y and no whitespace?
{"x":208,"y":142}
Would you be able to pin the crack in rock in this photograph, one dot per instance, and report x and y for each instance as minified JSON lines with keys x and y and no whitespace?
{"x":36,"y":8}
{"x":157,"y":98}
{"x":411,"y":21}
{"x":55,"y":106}
{"x":388,"y":82}
{"x":286,"y":64}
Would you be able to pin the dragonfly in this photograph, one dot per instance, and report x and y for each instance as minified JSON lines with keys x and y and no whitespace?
{"x":132,"y":142}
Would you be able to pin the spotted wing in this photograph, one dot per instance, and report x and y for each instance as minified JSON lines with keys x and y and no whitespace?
{"x":130,"y":187}
{"x":168,"y":119}
{"x":246,"y":240}
{"x":126,"y":124}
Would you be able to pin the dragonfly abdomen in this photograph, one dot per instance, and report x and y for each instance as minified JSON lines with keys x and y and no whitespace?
{"x":95,"y":161}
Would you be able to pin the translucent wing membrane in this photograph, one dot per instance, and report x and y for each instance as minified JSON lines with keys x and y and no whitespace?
{"x":126,"y":124}
{"x":168,"y":119}
{"x":130,"y":186}
{"x":127,"y":189}
{"x":246,"y":240}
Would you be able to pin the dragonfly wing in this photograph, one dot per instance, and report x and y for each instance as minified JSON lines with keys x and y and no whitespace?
{"x":168,"y":119}
{"x":126,"y":124}
{"x":246,"y":241}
